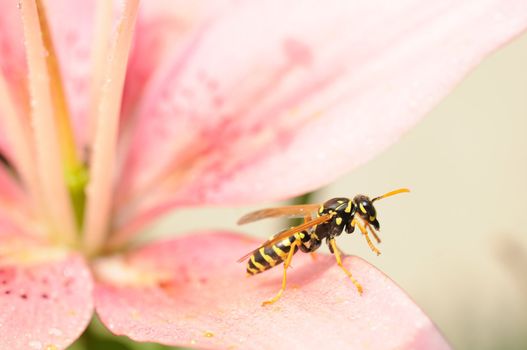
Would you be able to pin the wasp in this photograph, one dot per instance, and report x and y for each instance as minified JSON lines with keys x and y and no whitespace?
{"x":321,"y":222}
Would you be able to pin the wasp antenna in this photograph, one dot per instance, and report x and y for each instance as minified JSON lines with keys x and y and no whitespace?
{"x":391,"y":193}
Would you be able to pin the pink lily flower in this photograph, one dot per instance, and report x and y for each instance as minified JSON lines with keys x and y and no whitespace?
{"x":105,"y":129}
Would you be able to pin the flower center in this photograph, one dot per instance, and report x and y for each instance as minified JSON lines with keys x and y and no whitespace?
{"x":73,"y":199}
{"x":76,"y":181}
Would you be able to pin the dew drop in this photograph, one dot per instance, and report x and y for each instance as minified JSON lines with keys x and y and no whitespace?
{"x":35,"y":344}
{"x":19,"y":5}
{"x":55,"y":332}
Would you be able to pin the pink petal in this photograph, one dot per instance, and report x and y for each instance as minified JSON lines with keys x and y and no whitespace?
{"x":162,"y":27}
{"x":10,"y":190}
{"x":275,"y":98}
{"x":71,"y":25}
{"x":16,"y":214}
{"x":204,"y":300}
{"x":45,"y":296}
{"x":12,"y":68}
{"x":16,"y":210}
{"x":12,"y":60}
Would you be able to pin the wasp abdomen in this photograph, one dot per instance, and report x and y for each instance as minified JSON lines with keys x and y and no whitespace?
{"x":268,"y":257}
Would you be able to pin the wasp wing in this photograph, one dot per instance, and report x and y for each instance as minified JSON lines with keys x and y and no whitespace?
{"x":287,"y":233}
{"x":292,"y":211}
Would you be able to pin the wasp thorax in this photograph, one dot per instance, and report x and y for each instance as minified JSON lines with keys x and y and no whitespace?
{"x":366,"y":210}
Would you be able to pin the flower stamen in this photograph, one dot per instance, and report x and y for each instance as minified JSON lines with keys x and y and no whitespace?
{"x":75,"y":171}
{"x":45,"y":124}
{"x":99,"y":56}
{"x":61,"y":113}
{"x":104,"y":143}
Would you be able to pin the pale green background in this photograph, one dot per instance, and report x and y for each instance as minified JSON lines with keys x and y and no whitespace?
{"x":466,"y":164}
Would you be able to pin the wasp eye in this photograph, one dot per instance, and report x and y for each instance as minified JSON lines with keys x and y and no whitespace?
{"x":364,"y":208}
{"x":368,"y":213}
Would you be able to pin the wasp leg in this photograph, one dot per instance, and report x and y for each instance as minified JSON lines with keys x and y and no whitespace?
{"x":365,"y":234}
{"x":374,"y":234}
{"x":286,"y":265}
{"x":336,"y":251}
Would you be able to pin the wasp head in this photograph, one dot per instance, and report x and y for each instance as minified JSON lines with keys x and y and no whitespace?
{"x":366,"y":210}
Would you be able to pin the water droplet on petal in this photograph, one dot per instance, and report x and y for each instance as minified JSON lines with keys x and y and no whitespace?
{"x":55,"y":332}
{"x":35,"y":344}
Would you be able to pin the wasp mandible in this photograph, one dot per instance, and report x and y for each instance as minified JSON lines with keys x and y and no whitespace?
{"x":326,"y":221}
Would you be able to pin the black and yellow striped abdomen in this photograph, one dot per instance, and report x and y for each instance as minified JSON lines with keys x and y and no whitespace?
{"x":268,"y":257}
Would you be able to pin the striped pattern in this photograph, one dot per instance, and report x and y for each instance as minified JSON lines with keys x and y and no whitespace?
{"x":268,"y":257}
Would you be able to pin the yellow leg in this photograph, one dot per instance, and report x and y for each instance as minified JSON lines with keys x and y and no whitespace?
{"x":365,"y":234}
{"x":286,"y":265}
{"x":374,"y":234}
{"x":336,"y":251}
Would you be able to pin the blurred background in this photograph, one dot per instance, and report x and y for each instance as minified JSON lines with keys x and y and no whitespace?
{"x":458,"y":243}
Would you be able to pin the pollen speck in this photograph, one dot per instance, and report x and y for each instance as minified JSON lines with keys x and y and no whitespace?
{"x":208,"y":334}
